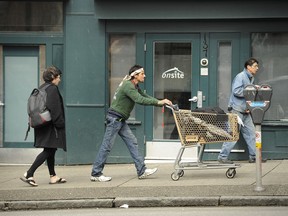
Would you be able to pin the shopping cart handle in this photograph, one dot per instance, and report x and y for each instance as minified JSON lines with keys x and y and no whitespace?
{"x":173,"y":107}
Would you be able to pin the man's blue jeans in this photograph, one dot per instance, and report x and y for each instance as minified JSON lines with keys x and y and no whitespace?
{"x":248,"y":133}
{"x":114,"y":127}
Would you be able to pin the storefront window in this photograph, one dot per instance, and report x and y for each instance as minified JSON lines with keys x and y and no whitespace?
{"x":272,"y":51}
{"x":122,"y":58}
{"x":21,"y":16}
{"x":172,"y":79}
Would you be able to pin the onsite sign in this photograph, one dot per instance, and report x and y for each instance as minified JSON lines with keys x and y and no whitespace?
{"x":173,"y":73}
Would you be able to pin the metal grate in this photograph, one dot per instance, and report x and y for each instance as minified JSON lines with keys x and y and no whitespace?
{"x":196,"y":127}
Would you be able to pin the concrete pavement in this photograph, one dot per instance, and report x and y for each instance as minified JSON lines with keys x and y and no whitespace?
{"x":198,"y":187}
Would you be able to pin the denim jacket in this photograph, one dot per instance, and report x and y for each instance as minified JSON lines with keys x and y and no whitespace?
{"x":237,"y":100}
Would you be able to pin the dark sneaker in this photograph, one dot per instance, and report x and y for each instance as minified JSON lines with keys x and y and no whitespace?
{"x":225,"y":161}
{"x":253,"y":160}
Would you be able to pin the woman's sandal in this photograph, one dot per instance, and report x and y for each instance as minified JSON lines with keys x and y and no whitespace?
{"x":29,"y":180}
{"x":59,"y":181}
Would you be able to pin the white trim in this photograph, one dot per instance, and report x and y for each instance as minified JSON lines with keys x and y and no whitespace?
{"x":167,"y":152}
{"x":20,"y":156}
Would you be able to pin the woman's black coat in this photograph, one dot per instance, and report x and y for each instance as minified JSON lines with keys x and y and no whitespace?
{"x":53,"y":134}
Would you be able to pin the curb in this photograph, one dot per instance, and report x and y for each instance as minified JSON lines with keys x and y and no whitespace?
{"x":147,"y":202}
{"x":56,"y":204}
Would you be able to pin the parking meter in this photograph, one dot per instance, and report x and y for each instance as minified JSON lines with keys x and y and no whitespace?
{"x":264,"y":93}
{"x":250,"y":92}
{"x":258,"y":102}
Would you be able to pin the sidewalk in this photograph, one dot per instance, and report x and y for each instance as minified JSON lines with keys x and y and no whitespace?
{"x":201,"y":187}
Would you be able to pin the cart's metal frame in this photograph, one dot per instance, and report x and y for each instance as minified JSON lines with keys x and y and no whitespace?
{"x":195,"y":131}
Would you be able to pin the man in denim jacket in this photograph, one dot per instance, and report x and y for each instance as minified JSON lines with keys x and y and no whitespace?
{"x":237,"y":105}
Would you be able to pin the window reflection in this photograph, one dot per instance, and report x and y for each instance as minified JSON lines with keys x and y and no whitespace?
{"x":31,"y":16}
{"x":271,"y":49}
{"x":122,"y":50}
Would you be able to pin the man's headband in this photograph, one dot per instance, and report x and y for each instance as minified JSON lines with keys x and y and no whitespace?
{"x":136,"y":72}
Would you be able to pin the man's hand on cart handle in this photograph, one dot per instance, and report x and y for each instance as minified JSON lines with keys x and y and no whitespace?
{"x":173,"y":107}
{"x":165,"y":101}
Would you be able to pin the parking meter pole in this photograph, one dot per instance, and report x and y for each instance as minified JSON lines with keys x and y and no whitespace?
{"x":259,"y":186}
{"x":258,"y":102}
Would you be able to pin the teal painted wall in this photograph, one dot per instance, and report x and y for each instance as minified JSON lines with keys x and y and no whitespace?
{"x":84,"y":80}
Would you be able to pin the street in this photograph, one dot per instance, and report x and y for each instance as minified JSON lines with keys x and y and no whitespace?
{"x":167,"y":211}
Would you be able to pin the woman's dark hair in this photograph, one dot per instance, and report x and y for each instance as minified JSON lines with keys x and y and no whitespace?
{"x":250,"y":62}
{"x":51,"y":73}
{"x":134,"y":68}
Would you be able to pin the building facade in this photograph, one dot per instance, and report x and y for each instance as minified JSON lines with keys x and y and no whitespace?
{"x":188,"y":48}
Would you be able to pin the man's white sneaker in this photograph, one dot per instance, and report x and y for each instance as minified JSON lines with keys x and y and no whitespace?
{"x":101,"y":178}
{"x":147,"y":172}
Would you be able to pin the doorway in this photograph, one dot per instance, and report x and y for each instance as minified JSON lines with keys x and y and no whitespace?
{"x":224,"y":63}
{"x":172,"y":71}
{"x":20,"y":74}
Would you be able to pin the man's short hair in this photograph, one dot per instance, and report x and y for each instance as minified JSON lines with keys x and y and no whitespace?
{"x":51,"y":73}
{"x":250,"y":62}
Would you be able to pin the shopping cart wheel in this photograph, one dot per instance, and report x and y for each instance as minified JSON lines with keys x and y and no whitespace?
{"x":175,"y":177}
{"x":181,"y":173}
{"x":230,"y":173}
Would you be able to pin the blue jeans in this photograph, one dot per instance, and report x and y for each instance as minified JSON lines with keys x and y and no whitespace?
{"x":248,"y":133}
{"x":113,"y":127}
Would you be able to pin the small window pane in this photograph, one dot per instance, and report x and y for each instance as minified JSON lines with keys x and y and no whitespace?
{"x":271,"y":49}
{"x":31,"y":16}
{"x":224,"y":74}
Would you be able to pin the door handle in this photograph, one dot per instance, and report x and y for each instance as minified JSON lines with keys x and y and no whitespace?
{"x":194,"y":99}
{"x":1,"y":104}
{"x":198,"y":99}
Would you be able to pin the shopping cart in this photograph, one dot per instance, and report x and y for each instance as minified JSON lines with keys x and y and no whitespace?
{"x":196,"y":129}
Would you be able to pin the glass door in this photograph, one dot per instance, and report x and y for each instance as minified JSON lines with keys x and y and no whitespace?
{"x":172,"y":68}
{"x":172,"y":79}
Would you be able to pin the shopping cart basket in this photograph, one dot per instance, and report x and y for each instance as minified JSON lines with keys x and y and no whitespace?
{"x":196,"y":129}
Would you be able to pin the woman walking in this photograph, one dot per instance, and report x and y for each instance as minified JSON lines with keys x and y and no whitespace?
{"x":51,"y":136}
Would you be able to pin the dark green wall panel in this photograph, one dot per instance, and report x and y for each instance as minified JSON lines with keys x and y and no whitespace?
{"x":85,"y":71}
{"x":57,"y":55}
{"x":58,"y":61}
{"x":84,"y":81}
{"x":85,"y":133}
{"x":192,"y":9}
{"x":274,"y":142}
{"x":82,"y":6}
